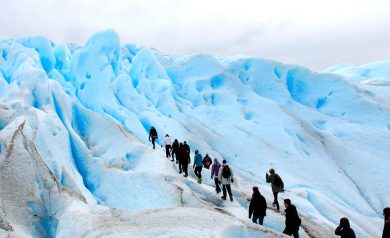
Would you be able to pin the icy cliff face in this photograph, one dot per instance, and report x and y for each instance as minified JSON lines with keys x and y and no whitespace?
{"x":74,"y":125}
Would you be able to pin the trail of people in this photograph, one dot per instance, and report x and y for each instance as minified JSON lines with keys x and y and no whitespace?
{"x":207,"y":196}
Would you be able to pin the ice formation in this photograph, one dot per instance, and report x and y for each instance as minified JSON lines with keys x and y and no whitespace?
{"x":75,"y":160}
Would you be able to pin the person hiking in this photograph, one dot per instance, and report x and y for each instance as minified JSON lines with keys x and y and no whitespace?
{"x":257,"y":206}
{"x":179,"y":157}
{"x":214,"y":174}
{"x":293,"y":222}
{"x":168,"y":145}
{"x":198,"y":165}
{"x":277,"y":186}
{"x":386,"y":227}
{"x":185,"y":158}
{"x":153,"y":136}
{"x":175,"y":146}
{"x":207,"y":161}
{"x":344,"y":229}
{"x":225,"y":177}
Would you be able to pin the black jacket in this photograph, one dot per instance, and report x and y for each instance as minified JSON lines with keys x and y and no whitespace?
{"x":345,"y":232}
{"x":153,"y":133}
{"x":292,"y":219}
{"x":386,"y":229}
{"x":258,"y":206}
{"x":175,"y":146}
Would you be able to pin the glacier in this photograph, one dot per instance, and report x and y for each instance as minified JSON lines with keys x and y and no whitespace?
{"x":75,"y":160}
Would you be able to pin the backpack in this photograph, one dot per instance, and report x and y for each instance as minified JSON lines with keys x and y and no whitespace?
{"x":226,"y":172}
{"x":278,"y":182}
{"x":299,"y":221}
{"x":207,"y":163}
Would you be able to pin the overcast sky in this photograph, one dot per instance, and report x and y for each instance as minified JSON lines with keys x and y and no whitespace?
{"x":313,"y":33}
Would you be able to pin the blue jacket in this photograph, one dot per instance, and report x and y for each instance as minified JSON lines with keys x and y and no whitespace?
{"x":198,"y":161}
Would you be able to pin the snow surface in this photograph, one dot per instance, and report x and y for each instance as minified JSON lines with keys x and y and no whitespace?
{"x":75,"y":160}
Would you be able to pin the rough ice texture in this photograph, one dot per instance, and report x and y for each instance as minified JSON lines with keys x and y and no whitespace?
{"x":75,"y":159}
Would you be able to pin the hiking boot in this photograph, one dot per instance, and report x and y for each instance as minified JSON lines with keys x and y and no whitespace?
{"x":218,"y":191}
{"x":223,"y":198}
{"x":185,"y":175}
{"x":231,"y":199}
{"x":172,"y":160}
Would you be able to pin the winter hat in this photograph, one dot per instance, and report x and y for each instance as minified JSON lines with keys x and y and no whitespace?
{"x":386,"y":212}
{"x":255,"y":189}
{"x":224,"y":161}
{"x":215,"y":160}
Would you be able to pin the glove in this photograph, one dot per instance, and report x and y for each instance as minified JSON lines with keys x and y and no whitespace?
{"x":249,"y":216}
{"x":232,"y":181}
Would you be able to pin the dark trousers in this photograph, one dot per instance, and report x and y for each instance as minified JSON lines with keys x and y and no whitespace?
{"x":198,"y":171}
{"x":276,"y":200}
{"x":224,"y":187}
{"x":180,"y":166}
{"x":217,"y":185}
{"x":154,"y":142}
{"x":173,"y":154}
{"x":291,"y":231}
{"x":256,"y":217}
{"x":167,"y":150}
{"x":185,"y":168}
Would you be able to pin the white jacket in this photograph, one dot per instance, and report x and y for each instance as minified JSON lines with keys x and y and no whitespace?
{"x":167,"y":140}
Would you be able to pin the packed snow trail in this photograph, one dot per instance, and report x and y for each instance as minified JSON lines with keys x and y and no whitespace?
{"x":87,"y":109}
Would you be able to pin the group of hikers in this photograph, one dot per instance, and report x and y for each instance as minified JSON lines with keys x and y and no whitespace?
{"x":223,"y":176}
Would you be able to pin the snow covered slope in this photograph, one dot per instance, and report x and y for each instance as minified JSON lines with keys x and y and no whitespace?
{"x":75,"y":160}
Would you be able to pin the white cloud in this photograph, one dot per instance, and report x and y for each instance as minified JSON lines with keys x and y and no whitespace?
{"x":313,"y":33}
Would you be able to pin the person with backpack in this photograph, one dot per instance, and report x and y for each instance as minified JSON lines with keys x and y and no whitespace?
{"x":214,"y":174}
{"x":168,"y":145}
{"x":386,"y":227}
{"x":344,"y":229}
{"x":153,"y":136}
{"x":257,"y":206}
{"x":207,"y":161}
{"x":198,"y":165}
{"x":225,"y":177}
{"x":277,"y":186}
{"x":185,"y":158}
{"x":175,"y":147}
{"x":293,"y":221}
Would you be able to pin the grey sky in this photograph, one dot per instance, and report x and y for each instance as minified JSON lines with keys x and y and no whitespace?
{"x":313,"y":33}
